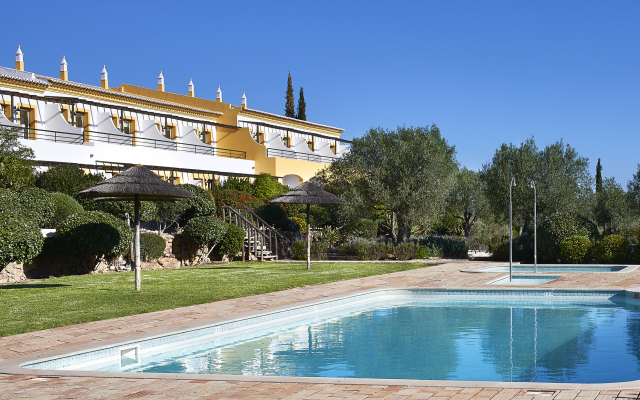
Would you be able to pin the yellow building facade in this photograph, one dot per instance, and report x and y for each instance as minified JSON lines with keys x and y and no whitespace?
{"x":183,"y":138}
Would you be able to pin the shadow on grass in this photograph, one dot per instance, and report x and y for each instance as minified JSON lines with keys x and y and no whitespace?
{"x":32,"y":286}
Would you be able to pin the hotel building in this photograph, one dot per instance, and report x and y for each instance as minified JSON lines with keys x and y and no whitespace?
{"x":182,"y":138}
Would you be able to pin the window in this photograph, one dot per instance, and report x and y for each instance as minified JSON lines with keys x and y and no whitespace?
{"x":79,"y":120}
{"x":286,"y":140}
{"x":126,"y":127}
{"x":25,"y":120}
{"x":168,"y":131}
{"x":203,"y":136}
{"x":311,"y":144}
{"x":333,"y":148}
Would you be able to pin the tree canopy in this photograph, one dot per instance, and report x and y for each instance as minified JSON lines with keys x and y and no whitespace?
{"x":289,"y":106}
{"x":16,"y":165}
{"x":302,"y":106}
{"x":561,"y":176}
{"x":467,"y":199}
{"x":408,"y":172}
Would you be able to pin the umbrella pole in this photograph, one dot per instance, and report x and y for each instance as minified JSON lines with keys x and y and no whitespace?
{"x":137,"y":242}
{"x":308,"y":237}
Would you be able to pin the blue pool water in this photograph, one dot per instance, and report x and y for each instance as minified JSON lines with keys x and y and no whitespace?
{"x":492,"y":335}
{"x":555,"y":268}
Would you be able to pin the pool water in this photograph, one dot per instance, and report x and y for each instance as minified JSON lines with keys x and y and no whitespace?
{"x":555,"y":268}
{"x":472,"y":335}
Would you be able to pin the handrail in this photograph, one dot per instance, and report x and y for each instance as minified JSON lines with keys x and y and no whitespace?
{"x":124,"y":139}
{"x":248,"y":227}
{"x":293,"y":155}
{"x":261,"y":220}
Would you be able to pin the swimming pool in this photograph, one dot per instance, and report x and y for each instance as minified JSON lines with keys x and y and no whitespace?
{"x":524,"y":280}
{"x":490,"y":335}
{"x":553,"y":268}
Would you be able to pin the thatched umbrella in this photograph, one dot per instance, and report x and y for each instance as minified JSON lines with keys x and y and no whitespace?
{"x":308,"y":193}
{"x":137,"y":184}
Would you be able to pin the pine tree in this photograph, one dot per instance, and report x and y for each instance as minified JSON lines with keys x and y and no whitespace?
{"x":599,"y":177}
{"x":289,"y":106}
{"x":302,"y":106}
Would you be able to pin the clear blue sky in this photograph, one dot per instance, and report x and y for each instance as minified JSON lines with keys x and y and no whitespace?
{"x":486,"y":72}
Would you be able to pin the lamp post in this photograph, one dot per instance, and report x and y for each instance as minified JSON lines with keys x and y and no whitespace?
{"x":532,"y":185}
{"x":511,"y":184}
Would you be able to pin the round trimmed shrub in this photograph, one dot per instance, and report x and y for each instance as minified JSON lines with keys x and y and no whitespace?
{"x":204,"y":231}
{"x":151,"y":246}
{"x":63,"y":206}
{"x":96,"y":236}
{"x":613,"y":249}
{"x":576,"y":249}
{"x":200,"y":205}
{"x":231,"y":242}
{"x":37,"y":205}
{"x":20,"y":239}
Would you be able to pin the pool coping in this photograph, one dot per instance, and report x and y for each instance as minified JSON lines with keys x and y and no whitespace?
{"x":14,"y":366}
{"x":478,"y":270}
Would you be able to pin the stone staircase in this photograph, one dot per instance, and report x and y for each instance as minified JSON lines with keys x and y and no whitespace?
{"x":260,"y":240}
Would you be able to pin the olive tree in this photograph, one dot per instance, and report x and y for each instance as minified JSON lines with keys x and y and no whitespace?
{"x":467,"y":200}
{"x":408,"y":172}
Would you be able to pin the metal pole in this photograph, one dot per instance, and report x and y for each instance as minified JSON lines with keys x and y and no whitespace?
{"x":535,"y":228}
{"x":512,"y":183}
{"x":308,"y":237}
{"x":137,"y":240}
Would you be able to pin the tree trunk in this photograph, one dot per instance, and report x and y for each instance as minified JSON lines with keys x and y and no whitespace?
{"x":404,"y":228}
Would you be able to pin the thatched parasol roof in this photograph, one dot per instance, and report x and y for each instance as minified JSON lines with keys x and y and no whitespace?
{"x":135,"y":181}
{"x":308,"y":193}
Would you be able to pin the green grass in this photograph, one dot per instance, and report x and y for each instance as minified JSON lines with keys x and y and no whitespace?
{"x":84,"y":298}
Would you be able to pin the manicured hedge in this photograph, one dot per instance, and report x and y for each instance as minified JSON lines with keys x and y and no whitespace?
{"x":37,"y":205}
{"x":95,"y":236}
{"x":66,"y":179}
{"x":63,"y":206}
{"x":151,"y":246}
{"x":20,"y":239}
{"x":576,"y":250}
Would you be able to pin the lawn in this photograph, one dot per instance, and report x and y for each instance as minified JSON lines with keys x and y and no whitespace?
{"x":84,"y":298}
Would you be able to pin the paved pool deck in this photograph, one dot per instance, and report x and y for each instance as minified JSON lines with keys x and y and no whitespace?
{"x":447,"y":275}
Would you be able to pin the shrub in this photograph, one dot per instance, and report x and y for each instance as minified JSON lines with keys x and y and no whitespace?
{"x":272,"y":214}
{"x":96,"y":236}
{"x":20,"y":239}
{"x":318,"y":250}
{"x":448,"y":246}
{"x":58,"y":257}
{"x":302,"y":224}
{"x":151,"y":246}
{"x":204,"y":231}
{"x":266,"y":187}
{"x":635,"y":256}
{"x":237,"y":183}
{"x":365,"y":228}
{"x":406,"y":251}
{"x":201,"y":204}
{"x":329,"y":235}
{"x":556,"y":228}
{"x":63,"y":206}
{"x":37,"y":205}
{"x":234,"y":198}
{"x":365,"y":249}
{"x":290,"y":225}
{"x":231,"y":242}
{"x":576,"y":249}
{"x":9,"y":202}
{"x":427,"y":252}
{"x":613,"y":249}
{"x":66,"y":179}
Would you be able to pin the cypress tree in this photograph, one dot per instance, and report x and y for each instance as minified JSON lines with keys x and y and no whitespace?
{"x":289,"y":106}
{"x":599,"y":177}
{"x":302,"y":106}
